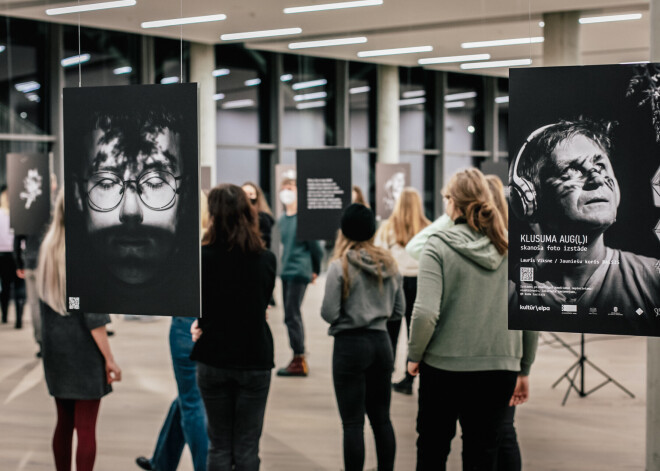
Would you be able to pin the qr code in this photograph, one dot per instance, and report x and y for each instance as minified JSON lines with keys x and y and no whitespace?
{"x":526,"y":274}
{"x":74,"y":303}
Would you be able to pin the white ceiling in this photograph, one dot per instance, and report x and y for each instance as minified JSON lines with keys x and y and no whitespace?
{"x":443,"y":24}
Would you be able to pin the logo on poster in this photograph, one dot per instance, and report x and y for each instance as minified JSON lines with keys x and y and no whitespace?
{"x":639,"y":311}
{"x":657,"y":312}
{"x":569,"y":308}
{"x":615,"y":312}
{"x":32,"y":186}
{"x":593,"y":311}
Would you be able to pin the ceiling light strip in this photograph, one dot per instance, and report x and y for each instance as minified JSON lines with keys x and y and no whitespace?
{"x":460,"y":96}
{"x":333,"y":6}
{"x":392,"y":52}
{"x":328,"y":42}
{"x":494,"y":64}
{"x":90,"y":7}
{"x":502,"y":42}
{"x":261,"y":34}
{"x":183,"y":21}
{"x":310,"y":84}
{"x":310,"y":104}
{"x":609,"y":18}
{"x":450,"y":59}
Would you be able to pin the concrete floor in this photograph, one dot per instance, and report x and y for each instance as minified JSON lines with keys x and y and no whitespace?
{"x":302,"y":431}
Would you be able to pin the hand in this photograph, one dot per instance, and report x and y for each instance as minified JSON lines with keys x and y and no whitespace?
{"x":314,"y":277}
{"x":112,"y":372}
{"x":521,"y":392}
{"x":20,"y":273}
{"x":413,"y":368}
{"x":195,"y":331}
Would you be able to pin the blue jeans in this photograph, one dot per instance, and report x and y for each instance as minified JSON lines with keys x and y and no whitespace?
{"x":236,"y":404}
{"x":186,"y":420}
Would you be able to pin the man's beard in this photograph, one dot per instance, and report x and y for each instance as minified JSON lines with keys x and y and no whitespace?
{"x":133,"y":255}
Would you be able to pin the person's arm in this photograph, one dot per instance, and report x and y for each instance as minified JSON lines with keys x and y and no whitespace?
{"x":18,"y":256}
{"x":331,"y":305}
{"x":426,"y":311}
{"x":316,"y":252}
{"x":399,"y":300}
{"x":112,"y":370}
{"x":521,"y":392}
{"x":416,"y":244}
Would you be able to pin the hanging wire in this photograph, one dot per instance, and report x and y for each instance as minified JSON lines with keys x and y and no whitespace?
{"x":180,"y":45}
{"x":79,"y":53}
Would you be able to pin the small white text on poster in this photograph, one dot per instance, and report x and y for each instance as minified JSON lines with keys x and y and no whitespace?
{"x":323,"y":193}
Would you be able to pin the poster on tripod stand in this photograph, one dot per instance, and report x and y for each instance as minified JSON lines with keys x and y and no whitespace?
{"x":584,"y":229}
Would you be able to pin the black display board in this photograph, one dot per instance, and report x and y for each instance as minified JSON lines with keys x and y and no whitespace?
{"x":29,"y":192}
{"x":131,"y":172}
{"x":583,"y":242}
{"x":391,"y":179}
{"x":324,"y":190}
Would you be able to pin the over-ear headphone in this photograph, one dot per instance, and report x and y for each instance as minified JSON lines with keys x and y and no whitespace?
{"x":522,"y":192}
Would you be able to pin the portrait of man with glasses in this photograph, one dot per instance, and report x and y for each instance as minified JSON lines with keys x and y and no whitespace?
{"x":132,"y":200}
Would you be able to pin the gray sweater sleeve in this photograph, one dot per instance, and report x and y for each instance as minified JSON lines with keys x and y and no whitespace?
{"x":331,"y":306}
{"x":530,"y":342}
{"x":399,"y":308}
{"x":426,"y":310}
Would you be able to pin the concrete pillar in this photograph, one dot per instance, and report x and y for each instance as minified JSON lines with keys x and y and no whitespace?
{"x":202,"y":64}
{"x":388,"y":114}
{"x":561,"y":45}
{"x":653,"y":344}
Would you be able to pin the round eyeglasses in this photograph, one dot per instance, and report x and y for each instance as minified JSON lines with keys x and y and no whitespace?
{"x":156,"y":189}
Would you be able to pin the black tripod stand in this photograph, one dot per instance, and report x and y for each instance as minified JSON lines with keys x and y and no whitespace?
{"x":578,"y":368}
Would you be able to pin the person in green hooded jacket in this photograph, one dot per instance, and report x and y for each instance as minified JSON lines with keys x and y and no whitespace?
{"x":471,"y":366}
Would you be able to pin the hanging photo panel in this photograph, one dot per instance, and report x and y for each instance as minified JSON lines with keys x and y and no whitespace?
{"x":585,"y":149}
{"x":131,"y":172}
{"x":391,"y":179}
{"x":29,"y":193}
{"x":324,"y":190}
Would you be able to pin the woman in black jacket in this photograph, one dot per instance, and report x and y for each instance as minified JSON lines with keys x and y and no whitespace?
{"x":235,"y":349}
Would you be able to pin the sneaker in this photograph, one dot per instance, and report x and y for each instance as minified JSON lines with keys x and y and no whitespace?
{"x":143,"y":463}
{"x":404,"y":386}
{"x":297,"y":367}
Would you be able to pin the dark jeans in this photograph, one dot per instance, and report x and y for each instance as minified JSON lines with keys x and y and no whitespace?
{"x":362,"y":365}
{"x":292,"y":296}
{"x":10,"y":282}
{"x":235,"y":405}
{"x":186,"y":419}
{"x":508,"y":454}
{"x":478,"y":399}
{"x":394,"y":327}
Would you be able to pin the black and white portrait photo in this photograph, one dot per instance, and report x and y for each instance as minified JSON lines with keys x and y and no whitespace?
{"x":29,"y":192}
{"x":132,"y":199}
{"x":583,"y":250}
{"x":391,"y":179}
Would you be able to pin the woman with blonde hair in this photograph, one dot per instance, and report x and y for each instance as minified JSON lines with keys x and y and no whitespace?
{"x":363,"y":290}
{"x":406,"y":220}
{"x":468,"y":361}
{"x":78,"y":363}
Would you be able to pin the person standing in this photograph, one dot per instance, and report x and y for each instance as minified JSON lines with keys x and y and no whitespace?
{"x":301,"y":264}
{"x":9,"y":280}
{"x":471,"y":366}
{"x":234,"y":345}
{"x":406,"y":220}
{"x":78,"y":362}
{"x":363,"y":290}
{"x":266,"y":221}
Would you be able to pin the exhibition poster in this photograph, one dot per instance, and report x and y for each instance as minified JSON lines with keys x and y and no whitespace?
{"x":29,"y":193}
{"x":391,"y":179}
{"x":131,"y":171}
{"x":583,"y":230}
{"x":324,"y":190}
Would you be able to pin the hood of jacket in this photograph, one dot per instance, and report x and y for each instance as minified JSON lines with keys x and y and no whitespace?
{"x":363,"y":261}
{"x":473,"y":245}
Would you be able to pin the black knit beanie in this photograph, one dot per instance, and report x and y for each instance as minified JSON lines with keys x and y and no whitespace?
{"x":358,"y":223}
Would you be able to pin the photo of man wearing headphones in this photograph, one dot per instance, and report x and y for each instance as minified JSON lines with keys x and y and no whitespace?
{"x":562,"y":184}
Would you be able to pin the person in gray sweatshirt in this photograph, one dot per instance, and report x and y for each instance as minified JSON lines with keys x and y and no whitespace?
{"x":363,"y":290}
{"x":471,"y":366}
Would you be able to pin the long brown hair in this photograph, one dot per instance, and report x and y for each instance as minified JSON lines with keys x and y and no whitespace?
{"x":379,"y":256}
{"x":497,"y":190}
{"x":51,"y":273}
{"x":407,"y":218}
{"x":473,"y":199}
{"x":233,"y":220}
{"x":359,"y":196}
{"x":261,"y":204}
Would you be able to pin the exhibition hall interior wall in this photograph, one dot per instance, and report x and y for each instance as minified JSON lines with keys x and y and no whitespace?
{"x":243,"y":126}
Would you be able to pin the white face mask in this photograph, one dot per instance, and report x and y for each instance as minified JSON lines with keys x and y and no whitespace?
{"x":287,"y":197}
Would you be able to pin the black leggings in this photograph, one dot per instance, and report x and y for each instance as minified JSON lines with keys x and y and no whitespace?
{"x":10,"y":281}
{"x":362,"y":373}
{"x":394,"y":327}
